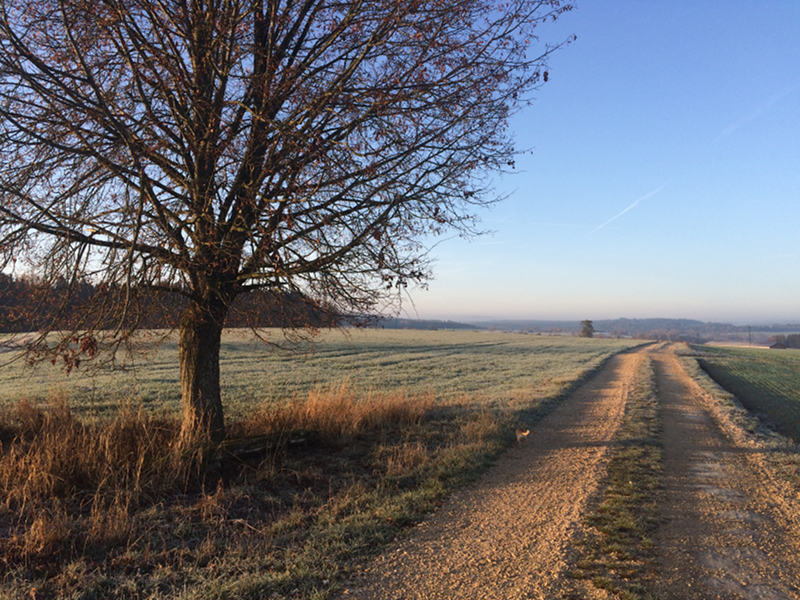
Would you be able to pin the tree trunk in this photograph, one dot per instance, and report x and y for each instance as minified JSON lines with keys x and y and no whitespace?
{"x":200,"y":337}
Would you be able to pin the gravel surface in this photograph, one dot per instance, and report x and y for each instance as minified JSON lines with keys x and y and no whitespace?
{"x":505,"y":536}
{"x":731,"y":529}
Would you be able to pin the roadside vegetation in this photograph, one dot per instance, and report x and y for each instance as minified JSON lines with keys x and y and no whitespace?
{"x":759,"y":390}
{"x":615,"y":551}
{"x":766,"y":382}
{"x":448,"y":364}
{"x":97,"y":504}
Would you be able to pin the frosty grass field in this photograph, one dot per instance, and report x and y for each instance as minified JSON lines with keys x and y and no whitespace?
{"x":486,"y":366}
{"x":766,"y":382}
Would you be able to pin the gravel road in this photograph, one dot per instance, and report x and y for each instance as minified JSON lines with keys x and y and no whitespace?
{"x":730,"y":528}
{"x":505,"y":537}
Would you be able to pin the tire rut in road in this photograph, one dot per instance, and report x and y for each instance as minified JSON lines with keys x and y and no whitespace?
{"x":505,"y":536}
{"x":727,"y":533}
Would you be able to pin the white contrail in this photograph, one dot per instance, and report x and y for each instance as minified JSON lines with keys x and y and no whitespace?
{"x":633,"y":205}
{"x":755,"y":114}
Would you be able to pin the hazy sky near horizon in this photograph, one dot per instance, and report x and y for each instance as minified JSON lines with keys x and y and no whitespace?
{"x":663,"y":178}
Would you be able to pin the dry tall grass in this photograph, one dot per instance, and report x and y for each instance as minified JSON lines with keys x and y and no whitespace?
{"x":66,"y":483}
{"x":70,"y":488}
{"x":339,"y":412}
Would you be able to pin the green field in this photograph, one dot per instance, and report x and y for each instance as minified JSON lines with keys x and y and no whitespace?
{"x":484,"y":365}
{"x":766,"y":382}
{"x":101,"y":508}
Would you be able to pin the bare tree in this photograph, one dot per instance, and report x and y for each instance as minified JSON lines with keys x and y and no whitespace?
{"x":209,"y":148}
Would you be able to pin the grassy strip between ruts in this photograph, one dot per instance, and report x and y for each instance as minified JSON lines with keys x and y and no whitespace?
{"x":102,"y":510}
{"x":614,"y":553}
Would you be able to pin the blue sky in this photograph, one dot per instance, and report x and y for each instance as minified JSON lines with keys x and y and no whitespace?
{"x":663,"y":178}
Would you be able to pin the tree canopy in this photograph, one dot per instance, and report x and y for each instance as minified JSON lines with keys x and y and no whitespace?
{"x":208,"y":148}
{"x":587,"y":328}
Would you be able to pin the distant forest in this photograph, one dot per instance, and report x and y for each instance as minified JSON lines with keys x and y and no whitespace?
{"x":688,"y":330}
{"x":430,"y":324}
{"x":790,"y":341}
{"x":27,"y":306}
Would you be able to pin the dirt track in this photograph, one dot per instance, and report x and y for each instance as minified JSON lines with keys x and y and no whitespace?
{"x":729,"y":528}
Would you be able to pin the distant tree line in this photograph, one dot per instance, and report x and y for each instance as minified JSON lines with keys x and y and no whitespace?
{"x":427,"y":324}
{"x":28,"y":305}
{"x":790,"y":341}
{"x":688,"y":330}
